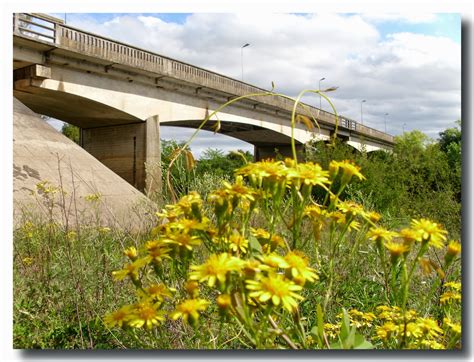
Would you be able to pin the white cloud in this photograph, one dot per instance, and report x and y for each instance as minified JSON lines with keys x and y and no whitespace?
{"x":415,"y":78}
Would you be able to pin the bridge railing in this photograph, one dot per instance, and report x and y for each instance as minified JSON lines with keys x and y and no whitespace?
{"x":53,"y":30}
{"x":38,"y":26}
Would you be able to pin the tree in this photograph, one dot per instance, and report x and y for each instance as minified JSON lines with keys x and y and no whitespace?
{"x":72,"y":132}
{"x":449,"y":136}
{"x":215,"y":161}
{"x":450,"y":144}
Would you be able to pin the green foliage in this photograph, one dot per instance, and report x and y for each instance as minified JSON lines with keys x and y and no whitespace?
{"x":450,"y":136}
{"x":72,"y":132}
{"x":450,"y":144}
{"x":62,"y":285}
{"x":182,"y":170}
{"x":416,"y":179}
{"x":216,"y":162}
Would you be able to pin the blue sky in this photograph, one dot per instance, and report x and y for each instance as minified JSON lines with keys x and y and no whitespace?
{"x":447,"y":25}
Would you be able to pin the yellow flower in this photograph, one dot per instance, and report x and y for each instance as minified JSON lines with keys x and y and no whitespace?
{"x":349,"y":169}
{"x":251,"y":268}
{"x":130,"y":270}
{"x":310,"y":174}
{"x":449,"y":296}
{"x":260,"y":233}
{"x":146,"y":314}
{"x":239,"y":190}
{"x":432,"y":344}
{"x":298,"y":268}
{"x":429,"y":327}
{"x":314,"y":212}
{"x":426,"y":266}
{"x":352,"y":208}
{"x":430,"y":232}
{"x":186,"y":225}
{"x":93,"y":197}
{"x":409,"y":236}
{"x":272,"y":261}
{"x":332,"y":330}
{"x":131,"y":253}
{"x":190,"y":204}
{"x":265,"y":170}
{"x":453,"y":249}
{"x":238,"y":243}
{"x":189,"y":310}
{"x":104,"y":229}
{"x":223,"y":301}
{"x":337,"y":216}
{"x":155,"y":292}
{"x":373,"y":216}
{"x":27,"y":260}
{"x":396,"y":249}
{"x":277,"y":288}
{"x":215,"y":268}
{"x":118,"y":318}
{"x":454,"y":285}
{"x":183,"y":240}
{"x":360,"y":319}
{"x":387,"y":330}
{"x":269,"y":242}
{"x":354,"y":225}
{"x":380,"y":234}
{"x":412,"y":330}
{"x":157,"y":250}
{"x":192,"y":288}
{"x":454,"y":327}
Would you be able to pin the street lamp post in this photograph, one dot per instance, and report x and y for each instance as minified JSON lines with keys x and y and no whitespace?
{"x":242,"y":58}
{"x":385,"y":121}
{"x":319,"y":88}
{"x":361,"y":112}
{"x":404,"y":124}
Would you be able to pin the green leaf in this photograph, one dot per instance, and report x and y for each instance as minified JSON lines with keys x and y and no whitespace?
{"x":345,"y":326}
{"x":254,"y":244}
{"x":361,"y":343}
{"x":320,"y":324}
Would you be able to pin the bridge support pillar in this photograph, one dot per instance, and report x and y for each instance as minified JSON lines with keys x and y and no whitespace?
{"x":122,"y":148}
{"x":132,"y":151}
{"x":284,"y":151}
{"x":153,"y":180}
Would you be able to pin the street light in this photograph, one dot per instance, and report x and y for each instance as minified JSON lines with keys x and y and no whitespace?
{"x":320,"y":91}
{"x":361,"y":113}
{"x":385,"y":121}
{"x":242,"y":58}
{"x":404,"y":124}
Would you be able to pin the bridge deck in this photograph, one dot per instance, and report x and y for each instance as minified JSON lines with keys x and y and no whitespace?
{"x":51,"y":34}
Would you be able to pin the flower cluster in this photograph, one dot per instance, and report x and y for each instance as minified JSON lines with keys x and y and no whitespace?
{"x":241,"y":253}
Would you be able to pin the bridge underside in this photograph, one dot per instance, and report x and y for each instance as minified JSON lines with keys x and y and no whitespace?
{"x":80,"y":111}
{"x":255,"y":135}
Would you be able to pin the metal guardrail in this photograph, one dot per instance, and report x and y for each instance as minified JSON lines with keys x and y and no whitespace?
{"x":53,"y":30}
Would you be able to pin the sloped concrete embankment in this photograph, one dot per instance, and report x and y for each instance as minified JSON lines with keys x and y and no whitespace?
{"x":79,"y":188}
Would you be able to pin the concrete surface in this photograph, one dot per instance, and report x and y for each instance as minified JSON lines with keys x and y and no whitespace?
{"x":40,"y":153}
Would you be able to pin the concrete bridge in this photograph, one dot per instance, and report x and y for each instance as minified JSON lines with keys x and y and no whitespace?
{"x":119,"y":95}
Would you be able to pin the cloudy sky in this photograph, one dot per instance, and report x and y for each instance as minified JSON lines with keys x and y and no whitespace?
{"x":408,"y":66}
